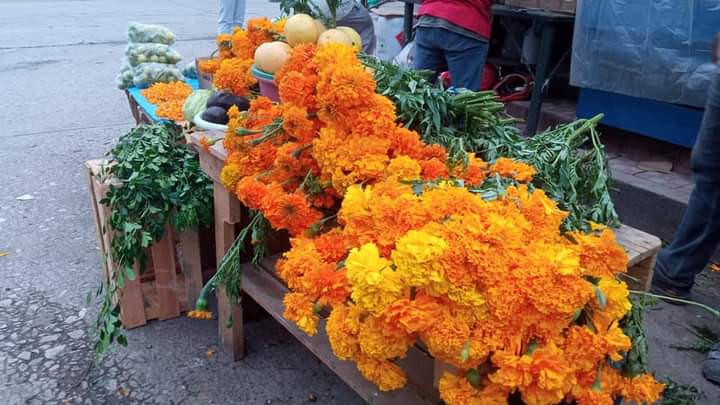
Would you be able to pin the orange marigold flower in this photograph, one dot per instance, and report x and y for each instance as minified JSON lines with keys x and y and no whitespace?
{"x":242,"y":45}
{"x":297,"y":124}
{"x":224,"y":45}
{"x":457,"y":390}
{"x":204,"y":143}
{"x":299,"y":308}
{"x":379,"y":342}
{"x":300,"y":61}
{"x":543,"y":377}
{"x":510,"y":168}
{"x":206,"y":315}
{"x":171,"y":110}
{"x":387,"y":375}
{"x":343,"y":326}
{"x":332,"y":245}
{"x":643,"y":389}
{"x":260,"y":30}
{"x":209,"y":66}
{"x":433,"y":169}
{"x":251,"y":192}
{"x":161,"y":92}
{"x":234,"y":75}
{"x":289,"y":211}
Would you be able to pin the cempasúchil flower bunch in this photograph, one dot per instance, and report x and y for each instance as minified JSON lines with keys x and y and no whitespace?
{"x":402,"y":245}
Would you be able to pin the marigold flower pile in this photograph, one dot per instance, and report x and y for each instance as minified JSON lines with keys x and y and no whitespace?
{"x":231,"y":68}
{"x":390,"y":237}
{"x":169,"y":98}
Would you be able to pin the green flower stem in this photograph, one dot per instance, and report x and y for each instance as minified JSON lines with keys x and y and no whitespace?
{"x":708,"y":308}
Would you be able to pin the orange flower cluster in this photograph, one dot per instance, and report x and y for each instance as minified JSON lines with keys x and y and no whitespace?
{"x":169,"y":98}
{"x":387,"y":236}
{"x":231,"y":69}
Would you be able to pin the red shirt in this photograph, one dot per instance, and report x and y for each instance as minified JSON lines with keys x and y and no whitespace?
{"x":473,"y":15}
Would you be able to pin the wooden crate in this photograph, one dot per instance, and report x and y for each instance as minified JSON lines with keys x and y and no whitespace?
{"x":137,"y":112}
{"x":267,"y":290}
{"x":173,"y":278}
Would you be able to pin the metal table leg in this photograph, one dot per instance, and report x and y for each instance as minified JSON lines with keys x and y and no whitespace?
{"x":543,"y":66}
{"x":408,"y":22}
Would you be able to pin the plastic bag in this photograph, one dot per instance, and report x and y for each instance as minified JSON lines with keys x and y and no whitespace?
{"x":147,"y":74}
{"x":158,"y":34}
{"x":190,"y":71}
{"x":125,"y":77}
{"x":151,"y":53}
{"x":406,"y":56}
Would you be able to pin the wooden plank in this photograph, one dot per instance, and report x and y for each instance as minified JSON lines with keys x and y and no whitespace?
{"x":230,"y":325}
{"x":269,"y":292}
{"x":191,"y":264}
{"x":163,"y":254}
{"x":639,"y":245}
{"x":132,"y":306}
{"x":231,"y":339}
{"x":95,"y":203}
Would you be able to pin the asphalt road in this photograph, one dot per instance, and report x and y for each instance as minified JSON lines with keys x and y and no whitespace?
{"x":60,"y":107}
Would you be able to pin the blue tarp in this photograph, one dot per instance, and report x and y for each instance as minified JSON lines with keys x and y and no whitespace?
{"x":655,"y":49}
{"x":150,"y":108}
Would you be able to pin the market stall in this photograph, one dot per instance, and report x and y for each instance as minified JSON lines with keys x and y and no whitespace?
{"x":411,"y":238}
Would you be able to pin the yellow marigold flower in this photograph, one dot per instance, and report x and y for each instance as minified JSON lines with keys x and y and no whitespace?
{"x":404,"y":168}
{"x":617,"y":302}
{"x":387,"y":375}
{"x":230,"y":175}
{"x":375,"y":285}
{"x":416,"y":256}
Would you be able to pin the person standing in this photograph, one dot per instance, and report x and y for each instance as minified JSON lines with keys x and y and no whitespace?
{"x":232,"y":14}
{"x":698,"y":235}
{"x":454,"y":35}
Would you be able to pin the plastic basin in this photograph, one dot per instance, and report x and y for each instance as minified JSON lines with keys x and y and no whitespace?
{"x":266,"y":81}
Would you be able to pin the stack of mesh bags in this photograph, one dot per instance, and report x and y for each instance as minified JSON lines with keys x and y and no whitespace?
{"x":149,"y":57}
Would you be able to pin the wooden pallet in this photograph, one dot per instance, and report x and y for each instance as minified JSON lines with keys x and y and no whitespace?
{"x":262,"y":285}
{"x":173,"y":278}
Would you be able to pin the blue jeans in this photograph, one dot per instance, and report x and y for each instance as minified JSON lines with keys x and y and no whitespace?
{"x":699,"y":233}
{"x":231,"y":15}
{"x":438,"y":49}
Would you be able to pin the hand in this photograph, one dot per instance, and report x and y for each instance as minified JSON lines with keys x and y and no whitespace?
{"x":716,"y":49}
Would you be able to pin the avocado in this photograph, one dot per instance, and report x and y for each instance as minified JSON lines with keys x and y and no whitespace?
{"x":216,"y":115}
{"x":226,"y":100}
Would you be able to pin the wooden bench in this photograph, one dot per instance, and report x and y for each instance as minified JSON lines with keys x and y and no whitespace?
{"x":264,"y":288}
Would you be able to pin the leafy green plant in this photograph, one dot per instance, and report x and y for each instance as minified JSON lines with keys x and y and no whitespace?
{"x":706,"y":339}
{"x":679,"y":394}
{"x":570,"y":160}
{"x":156,"y":179}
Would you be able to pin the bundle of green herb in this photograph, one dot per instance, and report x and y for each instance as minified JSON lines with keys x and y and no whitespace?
{"x":160,"y":182}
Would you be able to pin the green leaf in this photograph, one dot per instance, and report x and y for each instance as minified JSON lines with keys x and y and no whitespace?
{"x":129,"y":273}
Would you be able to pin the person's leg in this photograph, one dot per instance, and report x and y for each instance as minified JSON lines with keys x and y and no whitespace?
{"x":466,"y":59}
{"x":428,"y":55}
{"x":699,"y":232}
{"x":225,"y":16}
{"x":239,"y":13}
{"x":359,"y":19}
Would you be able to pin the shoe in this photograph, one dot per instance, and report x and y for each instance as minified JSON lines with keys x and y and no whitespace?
{"x":672,"y":292}
{"x":711,"y":365}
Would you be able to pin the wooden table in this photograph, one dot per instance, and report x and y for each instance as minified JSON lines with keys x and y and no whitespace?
{"x":267,"y":290}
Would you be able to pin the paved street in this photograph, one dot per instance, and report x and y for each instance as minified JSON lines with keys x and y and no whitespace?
{"x":60,"y":107}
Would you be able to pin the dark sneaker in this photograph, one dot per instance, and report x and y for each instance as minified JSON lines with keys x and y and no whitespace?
{"x":672,"y":292}
{"x":711,"y":366}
